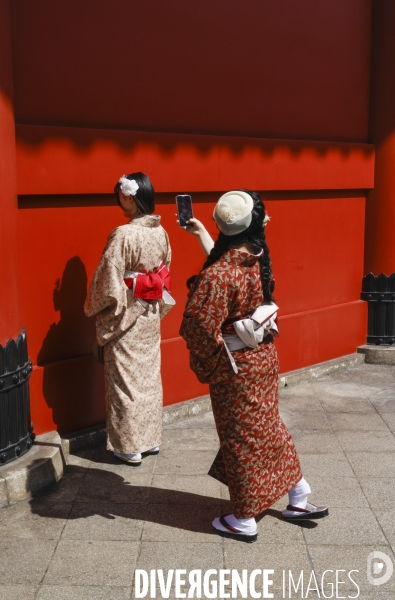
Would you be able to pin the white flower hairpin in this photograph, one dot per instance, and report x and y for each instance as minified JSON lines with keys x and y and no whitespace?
{"x":266,"y":220}
{"x":228,"y":213}
{"x":128,"y":187}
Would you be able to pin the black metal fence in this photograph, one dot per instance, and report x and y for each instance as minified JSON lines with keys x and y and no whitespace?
{"x":379,"y":292}
{"x":16,"y":435}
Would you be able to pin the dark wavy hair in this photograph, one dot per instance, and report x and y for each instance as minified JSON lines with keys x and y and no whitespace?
{"x":255,"y":235}
{"x":145,"y":196}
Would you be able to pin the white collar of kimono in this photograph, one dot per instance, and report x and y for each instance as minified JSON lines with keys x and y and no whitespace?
{"x":128,"y":187}
{"x":249,"y":253}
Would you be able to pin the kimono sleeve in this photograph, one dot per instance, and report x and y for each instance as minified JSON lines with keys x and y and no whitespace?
{"x":167,"y":259}
{"x":105,"y":289}
{"x":206,"y":310}
{"x":108,"y":297}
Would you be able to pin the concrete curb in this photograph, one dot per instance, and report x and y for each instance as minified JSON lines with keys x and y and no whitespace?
{"x":39,"y":468}
{"x":378,"y":355}
{"x":324,"y":368}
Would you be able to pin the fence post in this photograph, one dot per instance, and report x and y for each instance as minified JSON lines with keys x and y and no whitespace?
{"x":16,"y":436}
{"x":379,"y":292}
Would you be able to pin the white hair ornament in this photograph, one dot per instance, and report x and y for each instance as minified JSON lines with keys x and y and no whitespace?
{"x":128,"y":187}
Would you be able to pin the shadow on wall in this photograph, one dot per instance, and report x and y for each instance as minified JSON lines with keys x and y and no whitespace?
{"x":73,"y":381}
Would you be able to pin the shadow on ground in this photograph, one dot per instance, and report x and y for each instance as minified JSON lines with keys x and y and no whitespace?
{"x":84,"y":493}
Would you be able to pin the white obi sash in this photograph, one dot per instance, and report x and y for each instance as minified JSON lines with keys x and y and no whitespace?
{"x":251,"y":331}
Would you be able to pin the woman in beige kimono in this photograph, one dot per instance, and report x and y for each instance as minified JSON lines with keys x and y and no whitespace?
{"x":129,"y":295}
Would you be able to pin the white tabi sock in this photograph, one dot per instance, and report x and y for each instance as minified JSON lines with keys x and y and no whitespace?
{"x":299,"y":493}
{"x":247,"y":526}
{"x":133,"y":456}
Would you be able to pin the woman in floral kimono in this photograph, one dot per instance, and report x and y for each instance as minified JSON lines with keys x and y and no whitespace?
{"x":229,"y":324}
{"x":129,"y":295}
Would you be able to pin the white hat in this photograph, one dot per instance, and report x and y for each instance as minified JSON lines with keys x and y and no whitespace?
{"x":233,"y":212}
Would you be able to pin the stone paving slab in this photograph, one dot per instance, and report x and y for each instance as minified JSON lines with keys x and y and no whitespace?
{"x":18,"y":592}
{"x":181,"y":555}
{"x":346,"y":495}
{"x":200,"y":485}
{"x":90,"y":562}
{"x":305,"y":421}
{"x":79,"y":592}
{"x":386,"y":519}
{"x":24,"y":562}
{"x":347,"y":558}
{"x":190,"y":439}
{"x":104,"y":521}
{"x":383,"y":403}
{"x":355,"y":404}
{"x":372,"y":464}
{"x":366,"y":441}
{"x":389,"y":420}
{"x":334,"y":464}
{"x":379,"y":491}
{"x":292,"y":556}
{"x":19,"y":521}
{"x":173,"y":462}
{"x":104,"y":486}
{"x":66,"y":489}
{"x":316,"y":442}
{"x":347,"y":527}
{"x":302,"y":403}
{"x":84,"y":538}
{"x":356,"y":422}
{"x":175,"y":523}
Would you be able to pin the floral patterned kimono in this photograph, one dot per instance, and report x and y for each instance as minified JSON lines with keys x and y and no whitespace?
{"x":257,"y":458}
{"x":130,"y":334}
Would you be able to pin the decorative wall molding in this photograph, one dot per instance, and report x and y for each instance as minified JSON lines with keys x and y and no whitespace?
{"x":67,"y":160}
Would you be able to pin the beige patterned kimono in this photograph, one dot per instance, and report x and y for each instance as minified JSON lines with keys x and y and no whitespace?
{"x":130,"y":335}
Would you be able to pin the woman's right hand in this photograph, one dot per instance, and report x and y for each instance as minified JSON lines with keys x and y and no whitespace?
{"x":195,"y":227}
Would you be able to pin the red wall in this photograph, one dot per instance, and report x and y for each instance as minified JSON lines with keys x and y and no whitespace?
{"x":380,"y":213}
{"x":290,"y":79}
{"x":289,"y":68}
{"x":9,"y":309}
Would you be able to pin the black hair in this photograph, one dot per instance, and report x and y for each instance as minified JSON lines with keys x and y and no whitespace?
{"x":145,"y":196}
{"x":255,"y":235}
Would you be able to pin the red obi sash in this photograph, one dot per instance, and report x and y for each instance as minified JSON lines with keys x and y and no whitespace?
{"x":149,"y":286}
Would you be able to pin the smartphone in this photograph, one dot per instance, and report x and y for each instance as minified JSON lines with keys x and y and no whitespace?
{"x":184,"y":208}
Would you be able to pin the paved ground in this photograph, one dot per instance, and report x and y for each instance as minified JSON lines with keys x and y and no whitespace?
{"x":83,"y":539}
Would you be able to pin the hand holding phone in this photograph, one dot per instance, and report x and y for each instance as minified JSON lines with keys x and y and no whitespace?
{"x":184,"y":209}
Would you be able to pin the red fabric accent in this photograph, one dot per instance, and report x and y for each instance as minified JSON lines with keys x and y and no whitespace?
{"x":148,"y":287}
{"x":164,"y":274}
{"x":129,"y":282}
{"x":225,"y":524}
{"x":297,"y":509}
